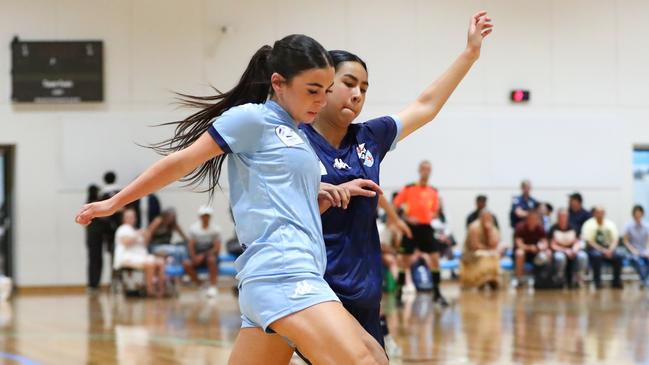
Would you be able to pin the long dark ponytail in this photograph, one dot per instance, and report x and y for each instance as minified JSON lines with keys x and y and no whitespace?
{"x":288,"y":57}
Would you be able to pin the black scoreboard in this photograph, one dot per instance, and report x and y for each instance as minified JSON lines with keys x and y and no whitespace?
{"x":57,"y":71}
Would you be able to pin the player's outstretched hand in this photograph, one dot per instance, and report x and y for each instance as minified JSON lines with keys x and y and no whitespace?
{"x":90,"y":211}
{"x":480,"y":27}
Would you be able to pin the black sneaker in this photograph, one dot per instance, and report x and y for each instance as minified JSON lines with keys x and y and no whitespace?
{"x":398,"y":295}
{"x":439,"y":299}
{"x":618,"y":285}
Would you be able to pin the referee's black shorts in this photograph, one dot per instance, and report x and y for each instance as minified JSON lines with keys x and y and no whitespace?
{"x":422,"y":239}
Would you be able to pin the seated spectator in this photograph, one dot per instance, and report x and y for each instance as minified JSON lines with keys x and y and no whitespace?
{"x":569,"y":259}
{"x":160,"y":232}
{"x":530,"y":245}
{"x":601,"y":237}
{"x":636,"y":235}
{"x":577,"y":215}
{"x":546,"y":209}
{"x":203,"y":247}
{"x":480,"y":203}
{"x":480,"y":264}
{"x":131,"y":253}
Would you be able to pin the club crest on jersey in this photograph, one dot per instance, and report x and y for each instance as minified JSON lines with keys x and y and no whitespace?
{"x":288,"y":136}
{"x":365,"y":155}
{"x":340,"y":164}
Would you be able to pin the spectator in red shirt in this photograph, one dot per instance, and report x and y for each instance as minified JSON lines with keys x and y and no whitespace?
{"x":531,"y":244}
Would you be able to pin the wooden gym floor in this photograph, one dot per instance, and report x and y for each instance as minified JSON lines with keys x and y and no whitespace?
{"x":506,"y":327}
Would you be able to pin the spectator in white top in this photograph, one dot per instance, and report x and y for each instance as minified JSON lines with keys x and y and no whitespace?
{"x":636,"y":237}
{"x":131,"y":252}
{"x":204,"y":245}
{"x":569,"y":259}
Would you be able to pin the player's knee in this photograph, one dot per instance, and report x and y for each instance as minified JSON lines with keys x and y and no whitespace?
{"x":365,"y":357}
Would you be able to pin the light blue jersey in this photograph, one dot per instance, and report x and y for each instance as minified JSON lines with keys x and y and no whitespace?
{"x":274,"y":178}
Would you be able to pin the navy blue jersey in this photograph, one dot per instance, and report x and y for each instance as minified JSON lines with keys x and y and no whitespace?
{"x":520,"y":202}
{"x":351,"y":237}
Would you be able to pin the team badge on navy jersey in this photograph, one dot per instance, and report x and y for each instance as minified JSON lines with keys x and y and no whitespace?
{"x":365,"y":155}
{"x":288,"y":136}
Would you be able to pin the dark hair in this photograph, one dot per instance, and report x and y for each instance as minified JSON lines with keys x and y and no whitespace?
{"x":577,"y":197}
{"x":549,"y":207}
{"x":110,"y":177}
{"x":340,"y":56}
{"x":288,"y":57}
{"x":481,"y":198}
{"x":93,"y":193}
{"x":637,"y":207}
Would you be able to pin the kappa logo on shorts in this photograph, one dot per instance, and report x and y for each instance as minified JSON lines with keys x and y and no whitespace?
{"x":288,"y":136}
{"x":302,"y":288}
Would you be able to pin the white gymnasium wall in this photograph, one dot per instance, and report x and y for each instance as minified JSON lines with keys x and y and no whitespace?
{"x":584,"y":61}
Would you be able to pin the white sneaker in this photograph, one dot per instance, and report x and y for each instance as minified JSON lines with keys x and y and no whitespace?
{"x":393,"y":350}
{"x":5,"y":288}
{"x":212,"y":292}
{"x":409,"y":289}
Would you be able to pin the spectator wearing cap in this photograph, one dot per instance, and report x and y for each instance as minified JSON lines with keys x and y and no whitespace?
{"x":204,"y":245}
{"x":577,"y":215}
{"x":481,"y":204}
{"x":522,"y":204}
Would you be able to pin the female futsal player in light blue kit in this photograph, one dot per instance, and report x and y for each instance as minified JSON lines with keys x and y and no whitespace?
{"x":274,"y":180}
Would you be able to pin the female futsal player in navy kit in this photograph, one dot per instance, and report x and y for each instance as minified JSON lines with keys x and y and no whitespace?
{"x":351,"y":151}
{"x":274,"y":180}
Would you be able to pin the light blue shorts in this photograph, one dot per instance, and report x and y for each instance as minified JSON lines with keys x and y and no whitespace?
{"x":263,"y":300}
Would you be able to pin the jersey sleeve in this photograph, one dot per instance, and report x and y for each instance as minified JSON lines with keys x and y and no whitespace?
{"x":385,"y":131}
{"x":238,"y":130}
